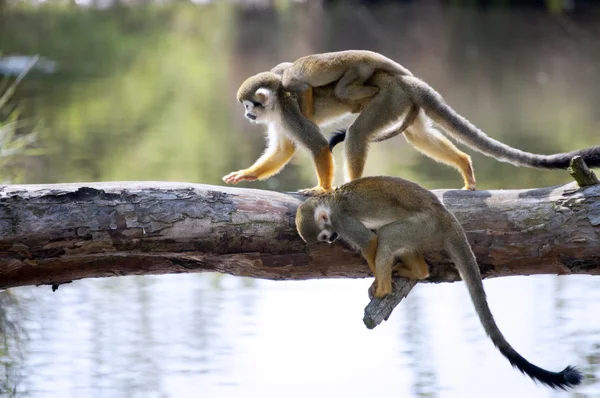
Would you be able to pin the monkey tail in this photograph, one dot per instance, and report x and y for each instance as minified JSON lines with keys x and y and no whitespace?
{"x":340,"y":135}
{"x":464,"y":131}
{"x":336,"y":137}
{"x":460,"y":252}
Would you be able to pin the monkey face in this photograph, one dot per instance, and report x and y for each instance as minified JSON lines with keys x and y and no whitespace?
{"x":327,"y":235}
{"x":314,"y":224}
{"x":258,"y":95}
{"x":255,"y":111}
{"x":259,"y":106}
{"x":323,"y":220}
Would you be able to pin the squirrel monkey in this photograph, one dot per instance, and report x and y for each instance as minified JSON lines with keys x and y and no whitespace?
{"x":409,"y":220}
{"x":266,"y":102}
{"x":293,"y":122}
{"x":348,"y":69}
{"x":399,"y":93}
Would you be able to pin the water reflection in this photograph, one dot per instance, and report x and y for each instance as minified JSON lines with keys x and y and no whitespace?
{"x":419,"y":351}
{"x":148,"y":93}
{"x":179,"y":336}
{"x":12,"y":333}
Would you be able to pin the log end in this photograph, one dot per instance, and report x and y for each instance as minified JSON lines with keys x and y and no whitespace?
{"x":369,"y":321}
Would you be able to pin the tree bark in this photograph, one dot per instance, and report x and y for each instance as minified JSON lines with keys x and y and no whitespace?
{"x":52,"y":234}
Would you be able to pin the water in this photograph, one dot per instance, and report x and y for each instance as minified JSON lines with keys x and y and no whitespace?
{"x":188,"y":336}
{"x":148,"y":93}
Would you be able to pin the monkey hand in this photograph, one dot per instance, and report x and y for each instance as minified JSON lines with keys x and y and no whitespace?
{"x":238,"y":176}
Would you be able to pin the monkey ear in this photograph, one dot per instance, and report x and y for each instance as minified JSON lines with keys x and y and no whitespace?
{"x":264,"y":95}
{"x":322,"y":217}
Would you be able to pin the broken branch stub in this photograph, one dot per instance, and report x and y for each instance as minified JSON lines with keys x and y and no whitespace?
{"x":580,"y":172}
{"x":379,"y":310}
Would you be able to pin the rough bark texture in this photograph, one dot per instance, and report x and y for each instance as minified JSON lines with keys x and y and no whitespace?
{"x":379,"y":310}
{"x":51,"y":234}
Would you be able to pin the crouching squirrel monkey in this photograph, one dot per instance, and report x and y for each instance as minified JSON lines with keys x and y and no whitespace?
{"x":396,"y":93}
{"x":409,"y":221}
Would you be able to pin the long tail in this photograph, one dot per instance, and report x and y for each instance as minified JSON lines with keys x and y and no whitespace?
{"x":464,"y":131}
{"x":460,"y":252}
{"x":340,"y":134}
{"x":337,"y":137}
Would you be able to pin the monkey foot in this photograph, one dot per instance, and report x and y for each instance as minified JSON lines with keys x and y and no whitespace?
{"x":318,"y":190}
{"x":373,"y":290}
{"x":469,"y":188}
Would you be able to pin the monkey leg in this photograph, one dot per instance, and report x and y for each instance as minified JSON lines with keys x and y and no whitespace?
{"x":307,"y":134}
{"x":355,"y":233}
{"x":402,"y":239}
{"x":434,"y":144}
{"x":370,"y":253}
{"x":383,"y":111}
{"x":413,"y":266}
{"x":325,"y":168}
{"x":351,"y":86}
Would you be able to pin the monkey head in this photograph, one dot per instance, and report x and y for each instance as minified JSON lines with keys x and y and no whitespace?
{"x":258,"y":94}
{"x":313,"y":222}
{"x":280,"y":68}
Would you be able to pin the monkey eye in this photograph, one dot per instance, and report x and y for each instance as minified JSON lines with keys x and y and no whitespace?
{"x":257,"y":104}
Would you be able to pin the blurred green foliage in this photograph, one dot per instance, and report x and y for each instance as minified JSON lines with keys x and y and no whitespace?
{"x":17,"y":133}
{"x":148,"y":92}
{"x":132,"y":85}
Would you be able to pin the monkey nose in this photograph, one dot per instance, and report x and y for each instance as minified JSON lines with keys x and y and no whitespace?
{"x":250,"y":116}
{"x":333,"y":237}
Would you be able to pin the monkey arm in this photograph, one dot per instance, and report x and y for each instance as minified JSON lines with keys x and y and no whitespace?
{"x":325,"y":167}
{"x":275,"y":157}
{"x":307,"y":101}
{"x":278,"y":153}
{"x":307,"y":134}
{"x":351,"y":86}
{"x":305,"y":91}
{"x":355,"y":233}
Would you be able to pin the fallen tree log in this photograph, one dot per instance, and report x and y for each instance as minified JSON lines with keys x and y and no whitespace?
{"x":52,"y":234}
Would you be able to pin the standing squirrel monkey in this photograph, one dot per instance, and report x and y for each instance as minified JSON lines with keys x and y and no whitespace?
{"x":398,"y":94}
{"x":409,"y":220}
{"x":399,"y":102}
{"x":292,"y":121}
{"x":266,"y":102}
